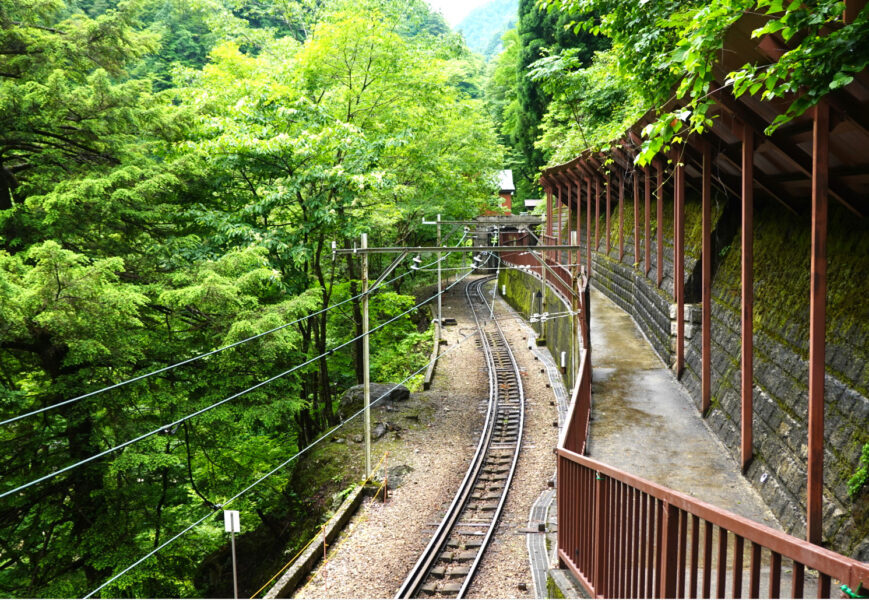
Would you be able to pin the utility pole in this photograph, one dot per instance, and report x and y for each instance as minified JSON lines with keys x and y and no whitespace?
{"x":366,"y":375}
{"x":440,"y":289}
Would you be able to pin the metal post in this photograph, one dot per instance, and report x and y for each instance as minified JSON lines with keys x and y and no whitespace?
{"x":636,"y":219}
{"x":588,"y":226}
{"x":747,"y":366}
{"x":817,"y":318}
{"x":679,"y":262}
{"x":232,"y":524}
{"x":647,"y":180}
{"x":706,"y":336}
{"x":597,"y":213}
{"x":366,"y":375}
{"x":659,"y":228}
{"x":606,"y":219}
{"x":440,"y":288}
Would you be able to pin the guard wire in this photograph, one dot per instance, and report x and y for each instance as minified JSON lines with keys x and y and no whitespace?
{"x":275,"y":470}
{"x":168,"y":426}
{"x":209,"y":353}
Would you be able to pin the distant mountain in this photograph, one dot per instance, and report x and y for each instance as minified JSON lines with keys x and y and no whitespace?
{"x":484,"y":26}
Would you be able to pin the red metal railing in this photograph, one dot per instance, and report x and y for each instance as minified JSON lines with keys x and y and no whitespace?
{"x":625,"y":537}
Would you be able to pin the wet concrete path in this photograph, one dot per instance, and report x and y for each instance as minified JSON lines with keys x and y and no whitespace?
{"x":644,"y":423}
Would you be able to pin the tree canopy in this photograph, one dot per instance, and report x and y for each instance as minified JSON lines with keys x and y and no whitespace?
{"x":172,"y":176}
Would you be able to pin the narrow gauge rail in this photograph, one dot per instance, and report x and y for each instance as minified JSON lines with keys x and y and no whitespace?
{"x":447,"y":566}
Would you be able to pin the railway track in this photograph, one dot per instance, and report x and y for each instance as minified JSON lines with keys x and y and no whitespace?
{"x":447,"y":566}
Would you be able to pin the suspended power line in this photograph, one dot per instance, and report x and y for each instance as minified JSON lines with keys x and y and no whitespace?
{"x":168,"y":426}
{"x":273,"y":471}
{"x":206,"y":354}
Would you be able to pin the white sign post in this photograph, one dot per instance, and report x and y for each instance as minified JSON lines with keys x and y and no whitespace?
{"x":232,"y":525}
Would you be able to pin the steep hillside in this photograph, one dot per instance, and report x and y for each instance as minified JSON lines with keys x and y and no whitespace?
{"x":485,"y":25}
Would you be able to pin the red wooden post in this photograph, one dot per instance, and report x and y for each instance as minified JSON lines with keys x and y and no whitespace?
{"x":548,"y":217}
{"x":636,"y":218}
{"x":606,"y":219}
{"x":647,"y":178}
{"x":621,"y":217}
{"x":747,"y":374}
{"x":560,"y":225}
{"x":659,"y":166}
{"x":597,"y":213}
{"x":817,"y":317}
{"x":588,"y":225}
{"x":706,"y":257}
{"x":578,"y":187}
{"x":679,"y":261}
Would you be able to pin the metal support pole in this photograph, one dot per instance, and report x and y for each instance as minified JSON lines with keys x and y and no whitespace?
{"x":366,"y":374}
{"x":588,"y":226}
{"x":621,"y":217}
{"x":597,"y":213}
{"x":706,"y":316}
{"x":234,"y":567}
{"x":440,"y":286}
{"x":817,"y":319}
{"x":636,"y":219}
{"x":606,"y":219}
{"x":659,"y":167}
{"x":679,"y":262}
{"x":647,"y":179}
{"x":747,"y":366}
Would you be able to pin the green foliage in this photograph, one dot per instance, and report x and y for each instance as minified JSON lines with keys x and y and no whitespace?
{"x":172,"y":174}
{"x":671,"y":46}
{"x":591,"y":106}
{"x":861,"y":475}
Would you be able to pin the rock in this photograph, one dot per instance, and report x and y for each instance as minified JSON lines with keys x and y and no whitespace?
{"x":352,"y":399}
{"x":338,"y":440}
{"x":393,"y":427}
{"x":378,"y":431}
{"x":398,"y":474}
{"x":357,"y":438}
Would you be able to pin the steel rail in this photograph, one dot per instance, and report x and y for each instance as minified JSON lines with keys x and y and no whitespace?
{"x":418,"y":580}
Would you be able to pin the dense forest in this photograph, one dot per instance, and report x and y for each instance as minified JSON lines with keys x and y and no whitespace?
{"x":173,"y":174}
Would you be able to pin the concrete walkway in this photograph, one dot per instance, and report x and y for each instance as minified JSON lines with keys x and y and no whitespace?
{"x":644,"y":423}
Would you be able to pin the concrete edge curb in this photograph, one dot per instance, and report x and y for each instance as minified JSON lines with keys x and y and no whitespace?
{"x":303,"y":565}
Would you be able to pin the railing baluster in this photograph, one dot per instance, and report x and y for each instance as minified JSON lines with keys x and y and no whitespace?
{"x":642,"y":567}
{"x":799,"y":579}
{"x":669,"y":549}
{"x":722,"y":563}
{"x":635,"y":552}
{"x":626,"y":544}
{"x":695,"y":550}
{"x":823,"y":586}
{"x":600,"y":535}
{"x":659,"y":511}
{"x":707,"y":559}
{"x":683,"y":536}
{"x":615,"y":522}
{"x":738,"y":546}
{"x":754,"y":577}
{"x":774,"y":575}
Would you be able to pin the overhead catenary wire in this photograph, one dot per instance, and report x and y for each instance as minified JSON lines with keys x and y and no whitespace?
{"x":275,"y":470}
{"x":192,"y":359}
{"x":168,"y":426}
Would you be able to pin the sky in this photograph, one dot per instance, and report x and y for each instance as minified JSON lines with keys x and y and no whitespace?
{"x":455,"y":10}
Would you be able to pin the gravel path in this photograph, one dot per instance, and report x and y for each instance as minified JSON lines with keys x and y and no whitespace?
{"x":371,"y":558}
